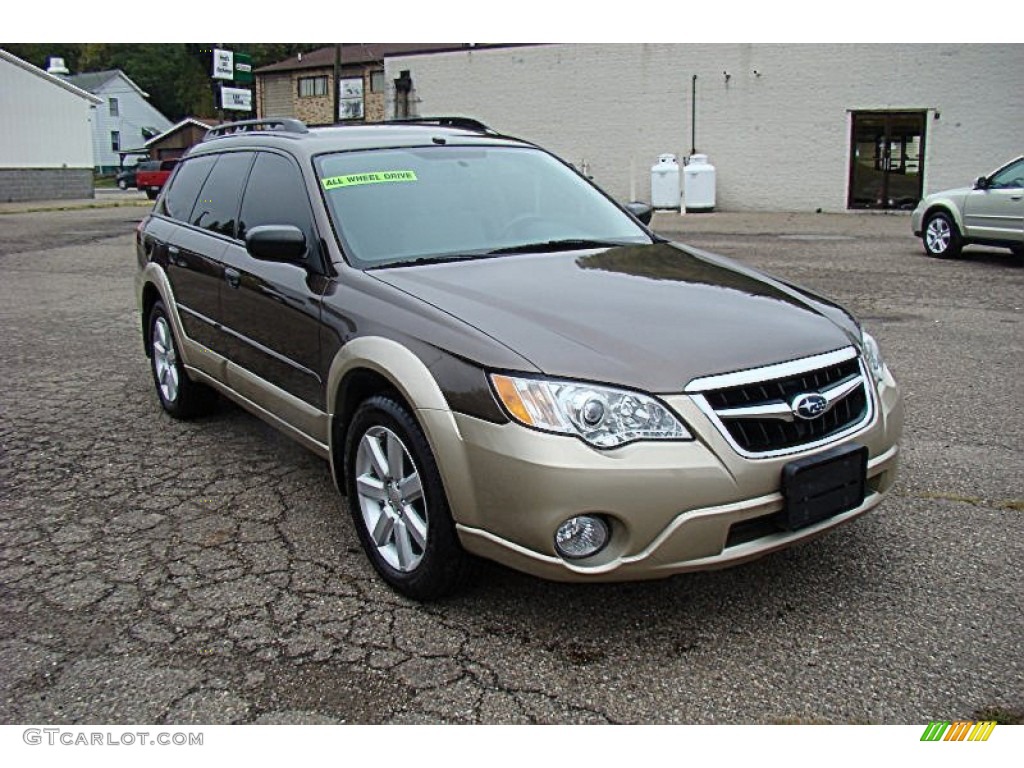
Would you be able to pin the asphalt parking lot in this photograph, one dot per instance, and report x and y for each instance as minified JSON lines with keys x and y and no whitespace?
{"x":161,"y":572}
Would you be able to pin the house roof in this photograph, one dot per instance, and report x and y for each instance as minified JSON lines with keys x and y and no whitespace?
{"x":357,"y":53}
{"x":206,"y":125}
{"x":93,"y":81}
{"x":33,"y":69}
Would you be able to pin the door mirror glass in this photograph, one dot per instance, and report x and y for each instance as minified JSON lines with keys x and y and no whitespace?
{"x":276,"y":242}
{"x":642,"y":211}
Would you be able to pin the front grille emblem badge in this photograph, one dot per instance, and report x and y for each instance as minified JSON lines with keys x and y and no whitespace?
{"x":809,"y":406}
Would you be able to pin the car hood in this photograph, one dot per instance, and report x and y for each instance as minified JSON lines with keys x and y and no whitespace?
{"x":651,"y":317}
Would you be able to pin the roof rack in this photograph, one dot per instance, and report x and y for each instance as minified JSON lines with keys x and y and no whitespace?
{"x":283,"y":124}
{"x":446,"y":121}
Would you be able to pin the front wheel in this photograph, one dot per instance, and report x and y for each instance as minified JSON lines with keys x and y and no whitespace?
{"x":152,"y":193}
{"x":122,"y":184}
{"x":398,"y":503}
{"x":941,"y":237}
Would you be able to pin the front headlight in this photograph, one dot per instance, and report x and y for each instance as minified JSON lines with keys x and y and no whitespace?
{"x":873,"y":355}
{"x":602,"y":416}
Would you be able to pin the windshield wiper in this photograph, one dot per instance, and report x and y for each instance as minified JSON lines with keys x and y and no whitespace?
{"x":558,"y":245}
{"x":420,"y":260}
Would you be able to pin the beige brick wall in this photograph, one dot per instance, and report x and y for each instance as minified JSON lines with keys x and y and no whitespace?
{"x":779,"y":139}
{"x":314,"y":110}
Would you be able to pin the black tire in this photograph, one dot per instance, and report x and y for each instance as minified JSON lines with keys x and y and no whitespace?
{"x":181,"y":397}
{"x":440,"y":566}
{"x":152,"y":193}
{"x":122,"y":184}
{"x":940,"y":237}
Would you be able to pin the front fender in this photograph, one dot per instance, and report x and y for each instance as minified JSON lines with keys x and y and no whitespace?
{"x":417,"y":385}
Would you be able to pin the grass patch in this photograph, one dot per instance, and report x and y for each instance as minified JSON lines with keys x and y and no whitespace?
{"x":941,"y":496}
{"x":1001,"y":715}
{"x":1017,"y":505}
{"x":117,"y":204}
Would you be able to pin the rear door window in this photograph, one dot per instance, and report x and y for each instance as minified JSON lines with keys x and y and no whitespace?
{"x":184,"y":188}
{"x":216,"y":209}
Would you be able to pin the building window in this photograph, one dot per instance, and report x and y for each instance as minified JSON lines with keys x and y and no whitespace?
{"x":313,"y":86}
{"x":115,"y":140}
{"x":377,"y":81}
{"x":350,"y":103}
{"x":115,"y":110}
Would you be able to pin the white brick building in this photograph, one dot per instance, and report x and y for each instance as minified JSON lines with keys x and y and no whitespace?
{"x":788,"y":127}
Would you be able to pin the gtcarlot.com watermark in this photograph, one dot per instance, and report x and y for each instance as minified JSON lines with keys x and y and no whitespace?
{"x":70,"y":737}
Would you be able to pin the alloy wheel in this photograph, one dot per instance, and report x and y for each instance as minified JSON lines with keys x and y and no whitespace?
{"x":938,"y":235}
{"x":390,"y":496}
{"x":165,"y":360}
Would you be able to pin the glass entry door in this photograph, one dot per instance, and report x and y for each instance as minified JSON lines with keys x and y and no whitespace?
{"x":886,"y":159}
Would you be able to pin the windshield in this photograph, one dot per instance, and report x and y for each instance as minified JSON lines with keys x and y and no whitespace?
{"x":394,"y":206}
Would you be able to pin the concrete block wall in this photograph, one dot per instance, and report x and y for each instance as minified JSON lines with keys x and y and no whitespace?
{"x":777,"y":129}
{"x":22,"y":184}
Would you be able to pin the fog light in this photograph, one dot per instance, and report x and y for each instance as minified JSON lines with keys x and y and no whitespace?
{"x":581,"y":536}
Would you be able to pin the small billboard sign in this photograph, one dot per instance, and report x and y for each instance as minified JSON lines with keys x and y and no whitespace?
{"x":223,"y":64}
{"x":238,"y":99}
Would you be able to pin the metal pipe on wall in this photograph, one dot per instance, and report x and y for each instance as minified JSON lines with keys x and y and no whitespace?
{"x":693,"y":116}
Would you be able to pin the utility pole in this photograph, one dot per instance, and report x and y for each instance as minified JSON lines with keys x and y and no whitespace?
{"x":337,"y":82}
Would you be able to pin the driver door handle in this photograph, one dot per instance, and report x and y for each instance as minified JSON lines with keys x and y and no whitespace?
{"x":233,"y":276}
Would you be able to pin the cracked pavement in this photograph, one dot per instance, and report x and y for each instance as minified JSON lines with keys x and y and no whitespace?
{"x":155,"y":571}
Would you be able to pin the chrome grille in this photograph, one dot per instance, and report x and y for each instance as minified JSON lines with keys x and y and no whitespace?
{"x":758,"y":415}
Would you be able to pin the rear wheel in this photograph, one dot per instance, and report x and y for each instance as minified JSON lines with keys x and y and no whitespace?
{"x":152,"y":193}
{"x":941,"y":237}
{"x":398,"y":503}
{"x":179,"y":395}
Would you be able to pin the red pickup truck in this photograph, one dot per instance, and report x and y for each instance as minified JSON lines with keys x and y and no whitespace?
{"x":151,"y":176}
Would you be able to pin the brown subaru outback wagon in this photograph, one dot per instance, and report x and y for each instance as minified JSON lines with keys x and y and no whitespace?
{"x":498,"y":360}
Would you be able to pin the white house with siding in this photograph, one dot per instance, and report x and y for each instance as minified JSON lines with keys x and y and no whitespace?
{"x":125,"y":120}
{"x":45,"y":134}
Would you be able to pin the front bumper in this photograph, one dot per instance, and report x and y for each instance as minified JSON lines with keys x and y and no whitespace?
{"x":674,"y":506}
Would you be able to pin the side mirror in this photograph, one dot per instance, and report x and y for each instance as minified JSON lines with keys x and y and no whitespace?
{"x":981,"y":183}
{"x":642,"y":211}
{"x":276,"y":242}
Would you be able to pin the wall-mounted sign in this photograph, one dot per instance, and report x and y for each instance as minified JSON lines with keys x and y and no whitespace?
{"x":238,"y":99}
{"x":223,"y":64}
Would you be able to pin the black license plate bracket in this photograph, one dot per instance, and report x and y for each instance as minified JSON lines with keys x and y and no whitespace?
{"x":823,"y":486}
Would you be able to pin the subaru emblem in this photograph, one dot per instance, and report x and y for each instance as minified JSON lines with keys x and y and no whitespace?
{"x":809,"y":406}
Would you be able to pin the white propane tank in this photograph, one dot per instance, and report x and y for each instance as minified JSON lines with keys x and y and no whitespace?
{"x":665,"y":190}
{"x":699,"y":184}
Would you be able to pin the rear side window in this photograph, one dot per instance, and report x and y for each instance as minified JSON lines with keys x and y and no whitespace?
{"x":185,"y":185}
{"x":217,"y":205}
{"x":276,"y":195}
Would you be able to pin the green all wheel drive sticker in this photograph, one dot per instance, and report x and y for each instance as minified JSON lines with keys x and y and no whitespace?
{"x":377,"y":177}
